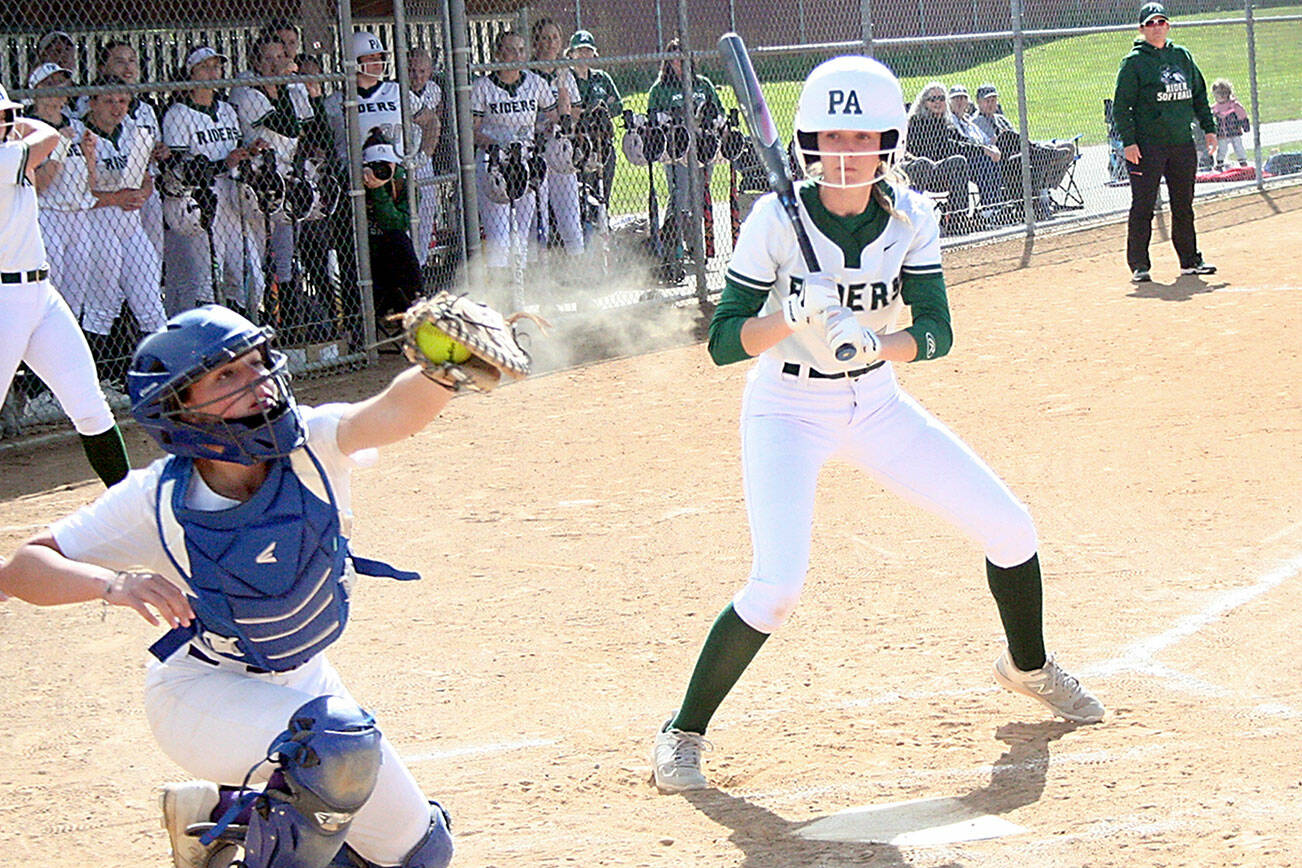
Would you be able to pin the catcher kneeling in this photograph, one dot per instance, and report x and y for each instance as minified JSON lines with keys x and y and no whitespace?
{"x":238,"y":540}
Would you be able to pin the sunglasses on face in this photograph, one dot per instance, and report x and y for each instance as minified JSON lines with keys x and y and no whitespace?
{"x":1157,"y":22}
{"x":935,"y":98}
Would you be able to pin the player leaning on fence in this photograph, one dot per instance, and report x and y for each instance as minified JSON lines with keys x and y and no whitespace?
{"x":1159,"y":93}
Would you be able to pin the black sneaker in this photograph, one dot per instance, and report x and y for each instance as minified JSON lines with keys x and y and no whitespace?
{"x":1199,"y":268}
{"x":1141,"y":275}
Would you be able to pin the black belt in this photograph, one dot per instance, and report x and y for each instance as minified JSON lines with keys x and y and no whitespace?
{"x":815,"y":374}
{"x":257,"y":670}
{"x":24,"y":276}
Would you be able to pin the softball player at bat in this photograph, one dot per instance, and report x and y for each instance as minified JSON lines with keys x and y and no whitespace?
{"x":199,"y":126}
{"x":36,"y":325}
{"x":507,"y":106}
{"x":238,"y":540}
{"x":878,"y":245}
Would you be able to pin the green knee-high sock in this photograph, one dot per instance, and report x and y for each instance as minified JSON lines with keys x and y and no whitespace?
{"x":728,"y":650}
{"x":107,"y":454}
{"x":1020,"y":598}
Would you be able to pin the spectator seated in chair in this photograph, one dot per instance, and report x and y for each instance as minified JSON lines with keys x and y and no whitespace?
{"x":937,"y":156}
{"x":1050,"y":161}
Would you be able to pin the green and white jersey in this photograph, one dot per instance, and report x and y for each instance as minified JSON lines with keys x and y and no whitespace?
{"x":277,"y":122}
{"x":509,"y":112}
{"x":121,"y":155}
{"x":869,"y":275}
{"x":210,"y":131}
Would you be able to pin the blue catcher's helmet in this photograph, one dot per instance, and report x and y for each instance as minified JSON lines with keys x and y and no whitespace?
{"x":189,"y":346}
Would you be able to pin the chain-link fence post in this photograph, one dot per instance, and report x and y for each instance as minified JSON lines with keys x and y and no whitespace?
{"x":356,"y":187}
{"x":696,"y":194}
{"x":866,"y":25}
{"x":1252,"y":88}
{"x":1019,"y":70}
{"x":408,"y":155}
{"x":459,"y":53}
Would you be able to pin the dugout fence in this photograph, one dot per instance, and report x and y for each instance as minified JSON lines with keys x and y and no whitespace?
{"x":291,"y":243}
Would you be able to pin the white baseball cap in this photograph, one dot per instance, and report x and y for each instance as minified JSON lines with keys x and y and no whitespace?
{"x":5,"y":102}
{"x":381,"y":152}
{"x":199,"y":55}
{"x":44,"y":71}
{"x":365,"y":43}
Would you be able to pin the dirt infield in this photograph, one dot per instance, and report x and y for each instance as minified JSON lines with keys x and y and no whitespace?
{"x":579,"y":531}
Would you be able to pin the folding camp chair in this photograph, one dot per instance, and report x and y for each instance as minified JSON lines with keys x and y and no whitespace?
{"x":1067,"y":195}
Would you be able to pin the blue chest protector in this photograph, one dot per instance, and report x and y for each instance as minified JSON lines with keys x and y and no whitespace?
{"x":269,"y":577}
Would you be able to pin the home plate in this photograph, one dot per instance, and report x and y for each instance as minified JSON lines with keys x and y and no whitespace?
{"x":916,"y":823}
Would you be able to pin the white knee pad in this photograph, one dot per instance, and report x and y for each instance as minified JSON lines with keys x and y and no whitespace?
{"x":765,"y":606}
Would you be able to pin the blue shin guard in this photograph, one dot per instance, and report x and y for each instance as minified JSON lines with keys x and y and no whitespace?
{"x":329,"y":759}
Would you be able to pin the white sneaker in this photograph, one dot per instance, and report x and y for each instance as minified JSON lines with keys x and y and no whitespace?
{"x":184,"y":804}
{"x":676,"y":759}
{"x":1051,"y":685}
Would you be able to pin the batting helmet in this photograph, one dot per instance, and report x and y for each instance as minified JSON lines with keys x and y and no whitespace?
{"x":366,"y":44}
{"x":191,"y":345}
{"x":849,"y":93}
{"x":558,"y":153}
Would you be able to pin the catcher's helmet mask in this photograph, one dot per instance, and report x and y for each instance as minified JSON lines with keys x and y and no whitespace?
{"x":850,"y":93}
{"x":192,"y":344}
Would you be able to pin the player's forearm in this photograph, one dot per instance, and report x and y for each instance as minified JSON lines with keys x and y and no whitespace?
{"x":407,"y":405}
{"x":41,"y":139}
{"x":760,"y":333}
{"x":39,"y":574}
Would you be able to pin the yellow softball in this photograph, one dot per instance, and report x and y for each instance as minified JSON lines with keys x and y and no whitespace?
{"x":438,"y":346}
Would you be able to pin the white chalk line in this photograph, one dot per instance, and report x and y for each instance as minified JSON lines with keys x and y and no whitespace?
{"x":1220,"y":290}
{"x":1138,"y":657}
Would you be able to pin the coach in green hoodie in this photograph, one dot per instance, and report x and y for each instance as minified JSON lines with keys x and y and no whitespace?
{"x":1159,"y":94}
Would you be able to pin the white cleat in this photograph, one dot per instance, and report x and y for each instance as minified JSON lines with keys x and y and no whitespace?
{"x":183,"y":805}
{"x":676,"y":760}
{"x":1060,"y":692}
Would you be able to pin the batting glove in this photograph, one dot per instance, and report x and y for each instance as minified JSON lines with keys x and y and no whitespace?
{"x":807,"y":304}
{"x":843,"y":328}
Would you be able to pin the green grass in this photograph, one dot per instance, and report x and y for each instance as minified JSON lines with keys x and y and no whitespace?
{"x":1066,"y":83}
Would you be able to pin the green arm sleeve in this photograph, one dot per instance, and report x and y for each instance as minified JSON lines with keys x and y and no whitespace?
{"x":656,"y":100}
{"x":925,"y":296}
{"x":736,"y":305}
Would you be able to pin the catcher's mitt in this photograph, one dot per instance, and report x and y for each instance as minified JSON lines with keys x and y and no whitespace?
{"x":485,"y":333}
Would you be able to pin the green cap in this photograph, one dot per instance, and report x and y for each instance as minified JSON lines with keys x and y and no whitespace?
{"x":1149,"y":11}
{"x":582,"y":39}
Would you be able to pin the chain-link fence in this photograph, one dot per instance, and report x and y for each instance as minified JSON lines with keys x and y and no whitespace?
{"x":318,"y":181}
{"x":267,"y":164}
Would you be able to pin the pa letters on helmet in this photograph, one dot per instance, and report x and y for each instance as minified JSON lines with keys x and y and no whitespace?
{"x":843,"y":102}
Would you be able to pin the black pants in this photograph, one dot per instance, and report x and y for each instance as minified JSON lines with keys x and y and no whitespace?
{"x":395,"y":272}
{"x":1179,"y":164}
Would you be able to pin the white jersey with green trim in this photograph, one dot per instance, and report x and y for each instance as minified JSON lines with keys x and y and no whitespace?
{"x":122,"y":156}
{"x":379,"y":107}
{"x":509,"y":112}
{"x":767,"y":258}
{"x":252,"y":105}
{"x":208,"y":131}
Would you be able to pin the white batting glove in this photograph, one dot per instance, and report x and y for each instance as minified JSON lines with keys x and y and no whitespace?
{"x":844,"y":329}
{"x":806,"y":305}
